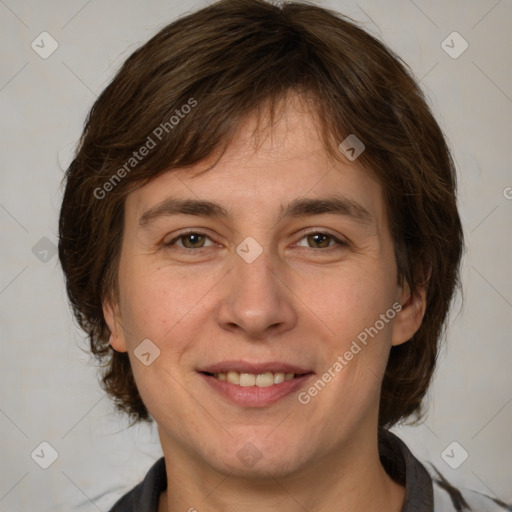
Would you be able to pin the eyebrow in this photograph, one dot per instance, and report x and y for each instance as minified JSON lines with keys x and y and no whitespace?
{"x":300,"y":207}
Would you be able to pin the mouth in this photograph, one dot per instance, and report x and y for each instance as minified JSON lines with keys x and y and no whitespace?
{"x":254,"y":385}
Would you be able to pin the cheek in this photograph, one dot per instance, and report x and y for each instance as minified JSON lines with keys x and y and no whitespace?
{"x":348,"y":300}
{"x":159,"y":302}
{"x":358,"y":342}
{"x":142,"y":310}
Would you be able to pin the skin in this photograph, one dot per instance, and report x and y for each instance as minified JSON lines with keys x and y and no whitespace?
{"x":302,"y":301}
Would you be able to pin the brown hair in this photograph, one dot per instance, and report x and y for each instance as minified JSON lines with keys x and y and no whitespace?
{"x":228,"y":61}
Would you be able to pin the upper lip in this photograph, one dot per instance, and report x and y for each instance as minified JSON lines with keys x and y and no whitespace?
{"x":255,"y":368}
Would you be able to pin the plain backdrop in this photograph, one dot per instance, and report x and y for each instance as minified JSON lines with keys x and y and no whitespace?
{"x":49,"y":391}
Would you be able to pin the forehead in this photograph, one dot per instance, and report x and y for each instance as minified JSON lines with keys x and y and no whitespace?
{"x":266,"y":167}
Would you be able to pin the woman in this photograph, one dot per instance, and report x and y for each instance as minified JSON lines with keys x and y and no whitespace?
{"x":260,"y":236}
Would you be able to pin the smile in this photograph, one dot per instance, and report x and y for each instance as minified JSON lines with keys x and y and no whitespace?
{"x":254,"y":384}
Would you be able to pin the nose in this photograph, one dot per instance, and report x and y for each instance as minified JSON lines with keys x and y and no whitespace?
{"x":256,"y":299}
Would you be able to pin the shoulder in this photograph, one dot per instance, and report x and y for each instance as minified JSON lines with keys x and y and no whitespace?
{"x":427,"y":489}
{"x":448,"y":497}
{"x":144,"y":497}
{"x":127,"y":502}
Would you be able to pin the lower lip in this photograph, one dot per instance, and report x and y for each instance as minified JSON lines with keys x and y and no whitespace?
{"x":254,"y":396}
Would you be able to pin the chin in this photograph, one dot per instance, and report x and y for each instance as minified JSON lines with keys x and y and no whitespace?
{"x":259,"y":460}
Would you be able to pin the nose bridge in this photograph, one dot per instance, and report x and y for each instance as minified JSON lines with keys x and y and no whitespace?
{"x":256,"y":299}
{"x":255,"y":275}
{"x":255,"y":280}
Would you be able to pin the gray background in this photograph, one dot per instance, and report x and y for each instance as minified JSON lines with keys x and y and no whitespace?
{"x":48,"y":389}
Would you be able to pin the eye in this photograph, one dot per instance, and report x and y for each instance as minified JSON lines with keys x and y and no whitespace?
{"x":190,"y":240}
{"x":198,"y":240}
{"x":319,"y":240}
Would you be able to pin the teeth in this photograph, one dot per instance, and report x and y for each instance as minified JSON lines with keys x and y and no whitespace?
{"x":247,"y":379}
{"x":262,"y":380}
{"x":233,"y":377}
{"x":278,"y":378}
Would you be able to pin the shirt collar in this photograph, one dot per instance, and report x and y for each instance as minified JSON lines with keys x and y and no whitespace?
{"x":405,"y":469}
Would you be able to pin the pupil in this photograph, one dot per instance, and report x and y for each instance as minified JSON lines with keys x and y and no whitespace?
{"x":192,"y":239}
{"x":320,"y":239}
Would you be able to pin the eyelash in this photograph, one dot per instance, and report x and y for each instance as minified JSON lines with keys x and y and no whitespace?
{"x":339,"y":242}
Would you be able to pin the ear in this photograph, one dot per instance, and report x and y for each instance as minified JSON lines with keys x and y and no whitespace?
{"x":408,"y":320}
{"x":112,"y":318}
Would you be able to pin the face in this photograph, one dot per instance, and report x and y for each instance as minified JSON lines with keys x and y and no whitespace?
{"x":283,"y":271}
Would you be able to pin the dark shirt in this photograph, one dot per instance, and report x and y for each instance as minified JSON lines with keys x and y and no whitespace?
{"x":423,"y":492}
